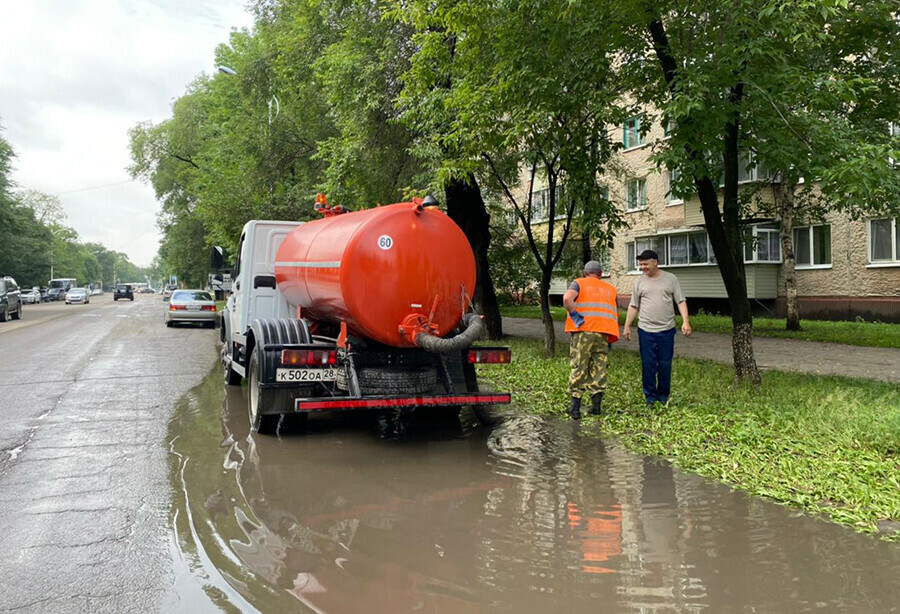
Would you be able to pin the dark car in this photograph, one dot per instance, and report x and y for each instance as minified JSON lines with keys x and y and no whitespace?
{"x":123,"y":291}
{"x":10,"y":299}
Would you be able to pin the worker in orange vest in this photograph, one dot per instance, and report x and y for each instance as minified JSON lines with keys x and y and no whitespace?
{"x":593,"y":322}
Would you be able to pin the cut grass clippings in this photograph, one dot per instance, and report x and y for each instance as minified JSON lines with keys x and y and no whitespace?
{"x":866,"y":334}
{"x":823,"y":444}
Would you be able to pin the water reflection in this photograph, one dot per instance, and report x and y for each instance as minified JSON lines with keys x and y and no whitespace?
{"x":534,"y":516}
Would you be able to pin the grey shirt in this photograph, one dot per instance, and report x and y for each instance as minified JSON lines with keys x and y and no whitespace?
{"x":655,"y":298}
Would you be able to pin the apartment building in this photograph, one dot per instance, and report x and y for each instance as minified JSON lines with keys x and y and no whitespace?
{"x":845,"y":268}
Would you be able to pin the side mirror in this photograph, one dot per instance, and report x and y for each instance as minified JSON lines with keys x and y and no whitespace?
{"x":216,"y":258}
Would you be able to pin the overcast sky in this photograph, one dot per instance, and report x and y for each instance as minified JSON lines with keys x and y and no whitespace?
{"x":76,"y":74}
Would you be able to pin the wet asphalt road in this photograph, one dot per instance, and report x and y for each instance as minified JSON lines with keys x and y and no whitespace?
{"x":86,"y":392}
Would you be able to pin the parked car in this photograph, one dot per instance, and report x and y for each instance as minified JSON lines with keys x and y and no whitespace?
{"x":192,"y":306}
{"x":77,"y":295}
{"x":96,"y":292}
{"x":167,"y":292}
{"x":45,"y":295}
{"x":57,"y":294}
{"x":31,"y":296}
{"x":123,"y":291}
{"x":10,"y":299}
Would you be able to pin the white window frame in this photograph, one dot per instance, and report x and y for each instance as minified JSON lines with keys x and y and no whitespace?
{"x":672,"y":200}
{"x":895,"y":259}
{"x":639,"y":140}
{"x":812,"y":248}
{"x":544,"y":207}
{"x":755,"y":231}
{"x":665,"y":253}
{"x":746,"y":159}
{"x":641,"y":194}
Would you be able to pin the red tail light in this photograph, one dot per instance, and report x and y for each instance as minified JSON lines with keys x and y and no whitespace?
{"x":176,"y":307}
{"x":309,"y":358}
{"x":490,"y":355}
{"x":207,"y":308}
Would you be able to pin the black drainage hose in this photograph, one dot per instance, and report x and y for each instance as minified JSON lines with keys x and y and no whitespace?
{"x":475,"y":330}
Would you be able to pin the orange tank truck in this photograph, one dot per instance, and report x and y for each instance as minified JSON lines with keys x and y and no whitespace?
{"x":361,"y":310}
{"x":380,"y":270}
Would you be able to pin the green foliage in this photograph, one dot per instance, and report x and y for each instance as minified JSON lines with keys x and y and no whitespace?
{"x":822,"y":444}
{"x":310,"y":108}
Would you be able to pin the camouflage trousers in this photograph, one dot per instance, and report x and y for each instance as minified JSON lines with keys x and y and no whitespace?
{"x":588,"y":353}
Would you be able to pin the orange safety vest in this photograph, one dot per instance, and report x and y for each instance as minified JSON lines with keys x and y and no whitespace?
{"x":596,"y":301}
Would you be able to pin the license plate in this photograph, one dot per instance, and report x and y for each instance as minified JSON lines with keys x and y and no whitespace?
{"x":306,"y":375}
{"x":193,"y":307}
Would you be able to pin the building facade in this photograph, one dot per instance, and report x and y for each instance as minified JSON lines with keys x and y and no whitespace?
{"x":845,"y":268}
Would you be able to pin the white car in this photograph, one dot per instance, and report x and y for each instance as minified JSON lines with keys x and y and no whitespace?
{"x":96,"y":292}
{"x":77,"y":295}
{"x":31,"y":296}
{"x":192,"y":306}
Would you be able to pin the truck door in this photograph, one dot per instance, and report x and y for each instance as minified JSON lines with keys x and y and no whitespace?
{"x":236,"y":323}
{"x":265,"y":299}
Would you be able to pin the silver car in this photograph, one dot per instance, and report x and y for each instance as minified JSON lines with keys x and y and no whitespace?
{"x":77,"y":295}
{"x":191,"y":306}
{"x":32,"y":296}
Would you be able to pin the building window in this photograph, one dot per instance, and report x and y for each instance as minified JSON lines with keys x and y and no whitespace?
{"x":812,"y":246}
{"x":678,"y":249}
{"x":698,"y":248}
{"x":631,"y":133}
{"x":884,"y":241}
{"x":540,"y":204}
{"x":636,"y":195}
{"x":762,"y":243}
{"x":657,"y":244}
{"x":672,"y":178}
{"x":748,"y":170}
{"x":668,"y":128}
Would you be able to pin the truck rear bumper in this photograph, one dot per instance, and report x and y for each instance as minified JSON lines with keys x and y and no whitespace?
{"x":393,"y":402}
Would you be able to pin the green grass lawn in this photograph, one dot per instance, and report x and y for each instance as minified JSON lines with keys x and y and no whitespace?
{"x":869,"y":334}
{"x":823,"y":444}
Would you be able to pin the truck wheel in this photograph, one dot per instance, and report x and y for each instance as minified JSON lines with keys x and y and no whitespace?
{"x":18,"y":313}
{"x":260,"y":400}
{"x":4,"y":314}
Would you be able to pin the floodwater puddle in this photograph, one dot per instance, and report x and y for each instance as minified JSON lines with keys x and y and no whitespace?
{"x":528,"y":516}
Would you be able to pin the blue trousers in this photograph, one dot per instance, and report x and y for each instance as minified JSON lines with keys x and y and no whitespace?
{"x":657,"y":350}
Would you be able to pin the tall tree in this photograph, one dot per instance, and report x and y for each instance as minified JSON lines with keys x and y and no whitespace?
{"x":734,"y":77}
{"x":507,"y":102}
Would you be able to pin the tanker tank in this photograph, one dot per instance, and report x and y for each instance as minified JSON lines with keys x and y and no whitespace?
{"x":391,"y":273}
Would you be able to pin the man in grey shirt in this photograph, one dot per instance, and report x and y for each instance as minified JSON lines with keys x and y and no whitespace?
{"x":654,"y":294}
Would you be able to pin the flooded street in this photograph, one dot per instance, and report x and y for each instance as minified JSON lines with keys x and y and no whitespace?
{"x":530,"y":516}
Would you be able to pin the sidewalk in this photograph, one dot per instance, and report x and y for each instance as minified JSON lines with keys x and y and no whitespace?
{"x":880,"y":364}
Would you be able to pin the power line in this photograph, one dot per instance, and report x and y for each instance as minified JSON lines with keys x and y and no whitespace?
{"x":96,"y":187}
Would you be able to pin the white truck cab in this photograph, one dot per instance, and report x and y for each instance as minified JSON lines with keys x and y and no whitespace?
{"x":254,"y":294}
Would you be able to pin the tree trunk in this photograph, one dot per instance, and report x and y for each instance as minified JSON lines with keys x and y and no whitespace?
{"x":784,"y":204}
{"x":465,"y":206}
{"x":546,"y":318}
{"x":586,"y":253}
{"x":724,"y":229}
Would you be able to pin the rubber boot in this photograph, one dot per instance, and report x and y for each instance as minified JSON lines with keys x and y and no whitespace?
{"x":596,"y":404}
{"x":575,"y":409}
